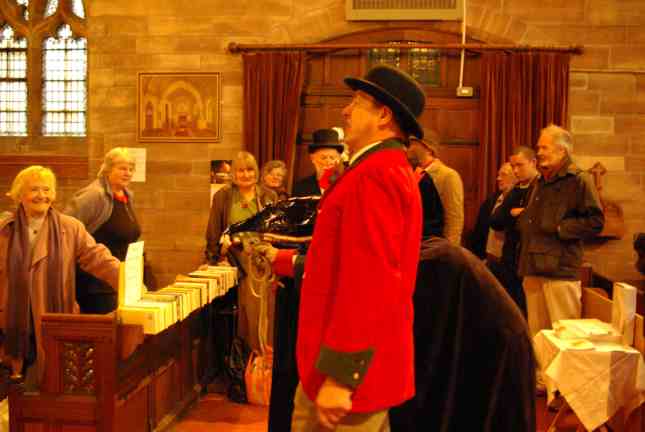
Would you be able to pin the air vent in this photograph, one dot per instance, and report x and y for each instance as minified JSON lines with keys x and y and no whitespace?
{"x":392,"y":10}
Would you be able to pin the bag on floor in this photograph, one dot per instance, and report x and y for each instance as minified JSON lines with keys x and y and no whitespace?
{"x":258,"y":378}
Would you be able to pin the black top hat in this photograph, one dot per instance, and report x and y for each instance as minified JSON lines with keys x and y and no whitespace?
{"x":396,"y":89}
{"x":325,"y":138}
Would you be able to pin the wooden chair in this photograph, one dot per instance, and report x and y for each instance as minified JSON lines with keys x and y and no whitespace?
{"x":597,"y":304}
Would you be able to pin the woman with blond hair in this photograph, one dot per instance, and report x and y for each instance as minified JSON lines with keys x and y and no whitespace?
{"x":231,"y":204}
{"x":105,"y":207}
{"x":39,"y":251}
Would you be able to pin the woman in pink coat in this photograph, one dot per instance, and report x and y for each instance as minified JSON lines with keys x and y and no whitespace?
{"x":39,"y":250}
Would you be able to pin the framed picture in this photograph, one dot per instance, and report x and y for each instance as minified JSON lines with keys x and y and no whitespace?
{"x":179,"y":106}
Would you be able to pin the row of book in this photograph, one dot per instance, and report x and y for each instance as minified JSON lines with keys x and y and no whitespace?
{"x":158,"y":310}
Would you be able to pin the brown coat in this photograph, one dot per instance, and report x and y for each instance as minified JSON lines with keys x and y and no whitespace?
{"x":78,"y":246}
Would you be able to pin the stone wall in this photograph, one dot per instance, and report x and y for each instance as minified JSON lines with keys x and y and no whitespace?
{"x":127,"y":37}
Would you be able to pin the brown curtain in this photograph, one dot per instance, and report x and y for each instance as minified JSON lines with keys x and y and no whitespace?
{"x":521,"y":93}
{"x":272,"y":87}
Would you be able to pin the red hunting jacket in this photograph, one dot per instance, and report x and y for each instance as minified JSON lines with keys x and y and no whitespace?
{"x":356,"y":314}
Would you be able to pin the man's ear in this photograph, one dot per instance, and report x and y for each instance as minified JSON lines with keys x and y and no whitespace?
{"x":386,"y":115}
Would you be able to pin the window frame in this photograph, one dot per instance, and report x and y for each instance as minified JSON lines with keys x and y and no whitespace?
{"x":36,"y":30}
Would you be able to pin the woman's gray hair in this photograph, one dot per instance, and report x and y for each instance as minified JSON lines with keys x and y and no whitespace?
{"x":560,"y":136}
{"x":111,"y":159}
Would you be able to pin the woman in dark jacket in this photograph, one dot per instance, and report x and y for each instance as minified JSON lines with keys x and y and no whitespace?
{"x":105,"y":208}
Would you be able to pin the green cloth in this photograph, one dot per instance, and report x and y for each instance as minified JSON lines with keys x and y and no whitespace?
{"x":241,"y":209}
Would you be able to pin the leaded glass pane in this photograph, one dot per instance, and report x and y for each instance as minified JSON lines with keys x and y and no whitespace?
{"x":64,"y":84}
{"x":50,"y":10}
{"x":24,"y":3}
{"x":13,"y":83}
{"x":424,"y":66}
{"x":77,"y":7}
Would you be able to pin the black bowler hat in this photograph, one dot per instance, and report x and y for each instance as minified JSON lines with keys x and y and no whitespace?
{"x":325,"y":138}
{"x":396,"y":89}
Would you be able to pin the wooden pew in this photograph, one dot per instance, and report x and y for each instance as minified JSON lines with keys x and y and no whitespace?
{"x":104,"y":377}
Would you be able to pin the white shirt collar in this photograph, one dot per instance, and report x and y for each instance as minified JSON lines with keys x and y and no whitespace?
{"x":361,"y":151}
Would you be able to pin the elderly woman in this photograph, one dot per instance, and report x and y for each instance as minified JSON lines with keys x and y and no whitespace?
{"x":234,"y":203}
{"x":39,"y":251}
{"x":274,"y":174}
{"x":105,"y":207}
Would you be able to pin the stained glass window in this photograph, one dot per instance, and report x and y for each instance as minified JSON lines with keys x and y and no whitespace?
{"x":77,"y":7}
{"x":24,"y":3}
{"x":13,"y":83}
{"x":52,"y":5}
{"x":64,"y":84}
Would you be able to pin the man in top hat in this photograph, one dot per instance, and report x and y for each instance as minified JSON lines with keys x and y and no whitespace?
{"x":324,"y":152}
{"x":355,"y":349}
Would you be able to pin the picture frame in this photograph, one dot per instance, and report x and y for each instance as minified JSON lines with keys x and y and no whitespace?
{"x":179,"y":106}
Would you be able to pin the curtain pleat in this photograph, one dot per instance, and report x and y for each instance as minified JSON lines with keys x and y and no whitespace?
{"x":521,"y":93}
{"x":272,"y":87}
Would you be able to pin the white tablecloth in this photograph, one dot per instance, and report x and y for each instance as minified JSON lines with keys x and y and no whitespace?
{"x":596,"y":382}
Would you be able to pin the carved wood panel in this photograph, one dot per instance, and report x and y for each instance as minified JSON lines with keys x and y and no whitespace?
{"x":79,"y":362}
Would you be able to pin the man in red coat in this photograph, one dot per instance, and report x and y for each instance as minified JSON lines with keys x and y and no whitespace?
{"x":355,"y":349}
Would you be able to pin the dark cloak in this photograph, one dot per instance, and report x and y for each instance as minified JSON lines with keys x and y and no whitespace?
{"x":475,"y":368}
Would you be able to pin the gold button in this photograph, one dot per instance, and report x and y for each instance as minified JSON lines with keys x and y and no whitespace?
{"x":356,"y":376}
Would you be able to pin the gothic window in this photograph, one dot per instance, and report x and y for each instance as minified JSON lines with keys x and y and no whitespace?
{"x":43,"y":69}
{"x":13,"y":83}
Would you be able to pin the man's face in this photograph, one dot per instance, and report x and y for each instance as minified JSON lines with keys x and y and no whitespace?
{"x":549,"y":154}
{"x":324,"y":158}
{"x":416,"y":153}
{"x":505,"y":178}
{"x":361,"y":119}
{"x":523,"y":168}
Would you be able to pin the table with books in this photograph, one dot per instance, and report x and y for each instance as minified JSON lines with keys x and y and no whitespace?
{"x":586,"y":362}
{"x":132,"y":370}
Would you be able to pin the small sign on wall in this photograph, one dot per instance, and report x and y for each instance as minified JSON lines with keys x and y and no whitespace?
{"x":139,"y":156}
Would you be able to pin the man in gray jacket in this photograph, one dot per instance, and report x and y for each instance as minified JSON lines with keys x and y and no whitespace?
{"x":562,"y":210}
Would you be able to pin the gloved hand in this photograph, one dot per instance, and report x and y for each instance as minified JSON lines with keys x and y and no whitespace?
{"x":266,"y":250}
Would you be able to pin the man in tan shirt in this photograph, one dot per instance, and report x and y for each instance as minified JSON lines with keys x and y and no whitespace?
{"x":447,"y":181}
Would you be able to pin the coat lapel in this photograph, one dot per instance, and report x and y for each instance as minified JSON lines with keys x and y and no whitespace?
{"x":40,"y":248}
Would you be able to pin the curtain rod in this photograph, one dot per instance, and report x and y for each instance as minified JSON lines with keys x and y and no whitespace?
{"x":235,"y":47}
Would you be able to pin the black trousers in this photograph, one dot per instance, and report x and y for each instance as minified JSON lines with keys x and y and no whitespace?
{"x":284,"y":379}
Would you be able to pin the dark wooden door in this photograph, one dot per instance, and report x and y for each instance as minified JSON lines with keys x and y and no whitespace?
{"x":455,"y":119}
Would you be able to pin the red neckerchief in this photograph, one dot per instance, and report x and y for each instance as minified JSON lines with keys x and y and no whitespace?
{"x":123,"y":198}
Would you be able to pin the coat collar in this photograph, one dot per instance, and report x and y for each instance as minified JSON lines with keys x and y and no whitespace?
{"x":105,"y":184}
{"x":568,"y":168}
{"x":41,"y":248}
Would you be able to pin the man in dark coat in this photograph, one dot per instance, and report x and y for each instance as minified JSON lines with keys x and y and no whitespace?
{"x":324,"y":151}
{"x":474,"y":364}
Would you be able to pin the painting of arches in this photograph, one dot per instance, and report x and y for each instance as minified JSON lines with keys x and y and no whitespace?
{"x":179,"y":106}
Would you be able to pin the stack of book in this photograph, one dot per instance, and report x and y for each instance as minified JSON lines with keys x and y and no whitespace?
{"x":157,"y":310}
